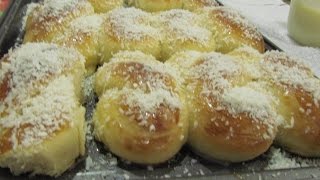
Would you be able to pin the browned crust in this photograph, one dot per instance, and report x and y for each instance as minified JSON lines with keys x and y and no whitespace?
{"x":138,"y":74}
{"x":41,"y":28}
{"x":5,"y":87}
{"x":247,"y":133}
{"x":247,"y":34}
{"x":5,"y":137}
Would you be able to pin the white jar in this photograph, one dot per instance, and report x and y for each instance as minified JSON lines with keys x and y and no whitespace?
{"x":304,"y":22}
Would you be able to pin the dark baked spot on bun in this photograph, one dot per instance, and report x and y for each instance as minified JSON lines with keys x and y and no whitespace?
{"x":5,"y":141}
{"x":4,"y":87}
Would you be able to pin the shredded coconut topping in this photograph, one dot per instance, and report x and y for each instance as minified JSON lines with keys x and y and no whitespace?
{"x":214,"y":71}
{"x":50,"y":15}
{"x":230,"y":18}
{"x":149,"y":102}
{"x":36,"y":118}
{"x":58,"y":6}
{"x":30,"y":8}
{"x":131,"y":24}
{"x":32,"y":110}
{"x":30,"y":67}
{"x":286,"y":70}
{"x":250,"y":31}
{"x":181,"y":24}
{"x":247,"y":100}
{"x":87,"y":24}
{"x":208,"y":3}
{"x":279,"y":159}
{"x":150,"y":64}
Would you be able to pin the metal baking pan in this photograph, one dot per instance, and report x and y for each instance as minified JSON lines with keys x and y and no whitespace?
{"x":98,"y":163}
{"x":4,"y":12}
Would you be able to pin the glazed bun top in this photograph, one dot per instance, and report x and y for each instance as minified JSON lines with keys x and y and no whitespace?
{"x":130,"y":24}
{"x":227,"y":84}
{"x":51,"y":17}
{"x":291,"y":73}
{"x":183,"y":25}
{"x":32,"y":65}
{"x":37,"y":92}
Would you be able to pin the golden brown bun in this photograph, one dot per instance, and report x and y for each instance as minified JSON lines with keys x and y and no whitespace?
{"x":40,"y":109}
{"x":83,"y":34}
{"x":181,"y":31}
{"x":103,"y":6}
{"x":141,"y":114}
{"x":232,"y":119}
{"x":43,"y":62}
{"x":44,"y":150}
{"x":163,"y":5}
{"x":51,"y":17}
{"x":298,"y":93}
{"x":193,"y":5}
{"x":230,"y":29}
{"x":129,"y":29}
{"x":156,"y":5}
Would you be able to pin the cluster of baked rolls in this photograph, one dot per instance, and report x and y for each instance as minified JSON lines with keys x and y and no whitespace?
{"x":228,"y":107}
{"x":171,"y":72}
{"x":74,"y":23}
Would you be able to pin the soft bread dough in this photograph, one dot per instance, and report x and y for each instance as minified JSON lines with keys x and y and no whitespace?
{"x":193,"y":5}
{"x":141,"y":114}
{"x":230,"y":29}
{"x":42,"y":127}
{"x":163,"y":5}
{"x":48,"y":19}
{"x":298,"y":93}
{"x":157,"y":5}
{"x":161,"y":34}
{"x":59,"y":150}
{"x":83,"y":34}
{"x":129,"y":29}
{"x":232,"y":119}
{"x":181,"y":31}
{"x":103,"y":6}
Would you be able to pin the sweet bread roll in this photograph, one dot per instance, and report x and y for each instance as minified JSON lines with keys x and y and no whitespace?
{"x":248,"y":54}
{"x":193,"y":5}
{"x":143,"y":117}
{"x":47,"y":136}
{"x":33,"y":65}
{"x":115,"y":74}
{"x":129,"y":29}
{"x":181,"y":31}
{"x":83,"y":34}
{"x":103,"y":6}
{"x":42,"y":127}
{"x":50,"y":18}
{"x":158,"y":5}
{"x":163,"y":5}
{"x":298,"y":93}
{"x":232,"y":119}
{"x":230,"y":29}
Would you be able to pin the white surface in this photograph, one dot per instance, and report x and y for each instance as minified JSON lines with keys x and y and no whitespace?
{"x":270,"y":16}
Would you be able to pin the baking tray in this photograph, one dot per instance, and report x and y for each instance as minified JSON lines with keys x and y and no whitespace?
{"x":98,"y":163}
